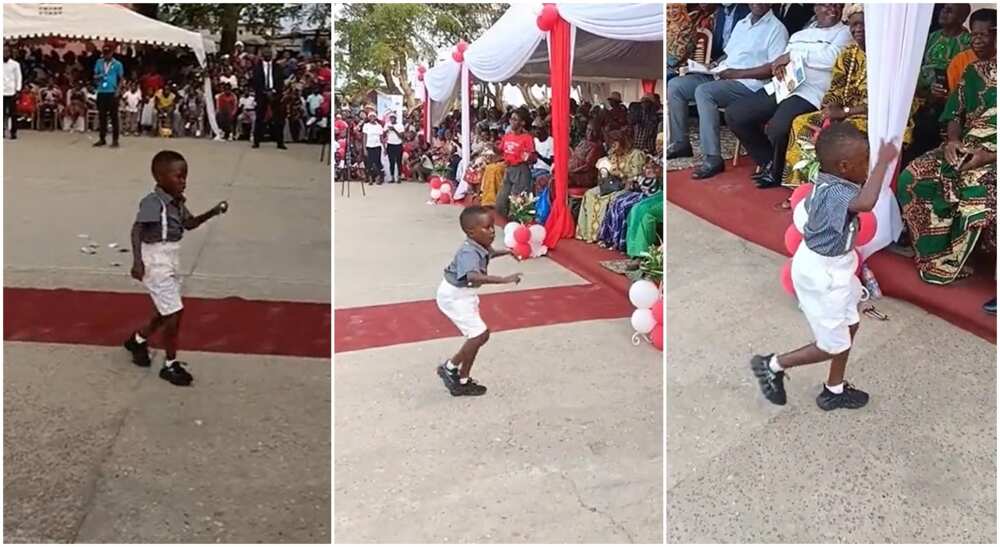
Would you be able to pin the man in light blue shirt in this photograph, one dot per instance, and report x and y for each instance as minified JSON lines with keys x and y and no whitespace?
{"x":756,"y":41}
{"x":108,"y":72}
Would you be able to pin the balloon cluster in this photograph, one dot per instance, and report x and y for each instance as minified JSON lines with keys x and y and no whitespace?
{"x":459,"y":54}
{"x":647,"y":319}
{"x":421,"y":70}
{"x":793,"y":234}
{"x":547,"y":19}
{"x":525,"y":241}
{"x":440,"y":190}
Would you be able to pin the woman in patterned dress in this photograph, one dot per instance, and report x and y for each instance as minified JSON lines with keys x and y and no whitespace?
{"x":948,"y":195}
{"x":623,"y":161}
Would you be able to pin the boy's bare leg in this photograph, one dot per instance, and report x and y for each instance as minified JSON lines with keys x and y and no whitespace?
{"x":154,"y":325}
{"x":838,"y":365}
{"x":173,"y":326}
{"x":473,"y":345}
{"x":806,"y":355}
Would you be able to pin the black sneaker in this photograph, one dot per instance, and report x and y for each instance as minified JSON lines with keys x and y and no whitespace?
{"x":449,"y":378}
{"x":772,"y":384}
{"x":140,"y":352}
{"x":850,"y":398}
{"x":100,"y":143}
{"x":470,"y":388}
{"x":175,"y":374}
{"x":991,"y":307}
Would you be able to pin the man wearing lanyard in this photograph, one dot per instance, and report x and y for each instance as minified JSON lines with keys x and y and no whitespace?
{"x":269,"y":87}
{"x":108,"y":71}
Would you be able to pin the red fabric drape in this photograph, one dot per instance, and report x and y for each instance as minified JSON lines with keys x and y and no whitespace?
{"x":559,"y":224}
{"x":649,"y":86}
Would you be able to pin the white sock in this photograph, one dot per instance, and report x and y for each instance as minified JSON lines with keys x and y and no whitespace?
{"x":450,"y":366}
{"x":139,"y":339}
{"x":463,"y":380}
{"x":837,"y":389}
{"x":774,"y":365}
{"x":168,"y":362}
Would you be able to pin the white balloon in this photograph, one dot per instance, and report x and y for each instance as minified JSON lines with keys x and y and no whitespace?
{"x":643,"y":294}
{"x":508,"y":240}
{"x":800,"y":216}
{"x":510,"y":227}
{"x":536,"y":249}
{"x":446,"y":188}
{"x":544,"y":250}
{"x":643,"y":321}
{"x":435,"y":194}
{"x":537,"y":233}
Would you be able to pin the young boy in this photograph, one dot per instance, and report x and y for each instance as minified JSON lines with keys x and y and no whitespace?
{"x":156,"y":243}
{"x":824,"y":266}
{"x":457,"y":298}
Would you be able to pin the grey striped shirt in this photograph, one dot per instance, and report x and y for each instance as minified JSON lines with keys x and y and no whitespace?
{"x":831,"y":227}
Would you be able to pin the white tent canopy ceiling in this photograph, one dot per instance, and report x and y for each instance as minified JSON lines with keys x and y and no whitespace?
{"x":107,"y":22}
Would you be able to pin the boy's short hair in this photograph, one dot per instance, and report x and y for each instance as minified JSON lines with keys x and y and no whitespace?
{"x":984,"y":16}
{"x":833,"y":142}
{"x":164,"y":158}
{"x":469,"y":214}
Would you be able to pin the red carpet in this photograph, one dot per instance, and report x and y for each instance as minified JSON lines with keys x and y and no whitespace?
{"x":733,"y":203}
{"x":392,"y":324}
{"x":229,"y":325}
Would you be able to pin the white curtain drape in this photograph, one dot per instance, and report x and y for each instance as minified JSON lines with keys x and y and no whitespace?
{"x":441,"y":79}
{"x":504,"y":48}
{"x":895,"y":35}
{"x":629,"y":22}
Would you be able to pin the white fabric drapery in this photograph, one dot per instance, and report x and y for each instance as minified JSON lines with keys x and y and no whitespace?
{"x":895,"y":36}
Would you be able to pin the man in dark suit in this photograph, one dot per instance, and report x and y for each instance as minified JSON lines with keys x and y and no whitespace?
{"x":269,"y":86}
{"x":726,"y":17}
{"x":795,"y":17}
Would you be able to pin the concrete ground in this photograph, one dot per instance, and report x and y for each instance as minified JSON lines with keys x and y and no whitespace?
{"x":918,"y":464}
{"x":566,"y":446}
{"x":98,"y":450}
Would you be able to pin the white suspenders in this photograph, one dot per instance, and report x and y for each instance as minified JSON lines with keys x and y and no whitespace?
{"x":163,"y":219}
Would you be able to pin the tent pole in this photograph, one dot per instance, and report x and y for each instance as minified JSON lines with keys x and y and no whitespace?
{"x":466,"y":149}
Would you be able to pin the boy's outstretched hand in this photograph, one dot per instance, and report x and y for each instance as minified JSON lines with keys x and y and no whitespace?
{"x":221,"y":208}
{"x":514,"y":278}
{"x":138,"y":271}
{"x":887,"y":151}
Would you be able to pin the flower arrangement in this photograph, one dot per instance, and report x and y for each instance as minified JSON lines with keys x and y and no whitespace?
{"x":651,"y":264}
{"x":522,"y":208}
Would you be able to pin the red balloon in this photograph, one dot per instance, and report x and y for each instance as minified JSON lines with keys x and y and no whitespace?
{"x":786,"y":278}
{"x":792,"y":239}
{"x":435,"y":182}
{"x":866,"y":230}
{"x":656,"y":335}
{"x":800,"y":194}
{"x":421,"y":69}
{"x":445,"y":198}
{"x":461,"y":46}
{"x":457,"y":56}
{"x":522,"y":250}
{"x":657,"y":310}
{"x":522,"y":234}
{"x":861,"y":262}
{"x":547,"y":19}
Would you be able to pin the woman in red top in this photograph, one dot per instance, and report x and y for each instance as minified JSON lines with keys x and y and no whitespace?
{"x":518,"y":150}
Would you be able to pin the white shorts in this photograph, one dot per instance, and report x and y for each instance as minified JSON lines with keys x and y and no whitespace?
{"x":162,"y":279}
{"x":829,"y":292}
{"x":461,"y":305}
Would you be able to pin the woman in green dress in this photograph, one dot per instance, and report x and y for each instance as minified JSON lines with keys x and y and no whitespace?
{"x":622,"y":161}
{"x":948,"y":195}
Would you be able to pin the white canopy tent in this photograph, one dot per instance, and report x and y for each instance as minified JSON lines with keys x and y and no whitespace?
{"x":589,"y":40}
{"x":106,"y":22}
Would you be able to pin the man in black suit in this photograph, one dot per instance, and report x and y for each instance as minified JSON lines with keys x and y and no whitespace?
{"x":269,"y":86}
{"x":795,"y":17}
{"x":726,"y":17}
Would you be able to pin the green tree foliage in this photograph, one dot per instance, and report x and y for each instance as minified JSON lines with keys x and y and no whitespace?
{"x":257,"y":17}
{"x":376,"y":44}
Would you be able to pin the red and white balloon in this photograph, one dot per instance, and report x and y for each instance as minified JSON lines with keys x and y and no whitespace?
{"x":647,"y":319}
{"x":525,"y":241}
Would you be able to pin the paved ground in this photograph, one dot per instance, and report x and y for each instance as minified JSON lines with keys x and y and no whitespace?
{"x":917,"y":465}
{"x":566,"y":447}
{"x":97,"y":450}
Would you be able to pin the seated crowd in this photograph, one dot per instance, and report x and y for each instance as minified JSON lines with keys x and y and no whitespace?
{"x":615,"y":161}
{"x":947,"y":185}
{"x":162,"y":93}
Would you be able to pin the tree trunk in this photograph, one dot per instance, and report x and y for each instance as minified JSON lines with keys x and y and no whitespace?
{"x":229,"y":21}
{"x":408,"y":96}
{"x":390,"y":83}
{"x":529,"y":98}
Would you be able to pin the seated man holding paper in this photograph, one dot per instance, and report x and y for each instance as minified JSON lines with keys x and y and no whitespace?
{"x":756,"y":41}
{"x":802,"y":76}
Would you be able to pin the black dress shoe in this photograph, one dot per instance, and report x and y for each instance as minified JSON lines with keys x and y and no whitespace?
{"x":767,"y":181}
{"x":765,"y":170}
{"x":679,"y":152}
{"x":991,"y":307}
{"x":282,"y":147}
{"x":707,"y":170}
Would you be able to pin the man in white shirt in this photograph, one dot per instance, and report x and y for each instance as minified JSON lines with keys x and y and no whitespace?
{"x":760,"y":122}
{"x":756,"y":41}
{"x":394,"y":147}
{"x":12,"y":84}
{"x":373,"y":132}
{"x":544,"y":147}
